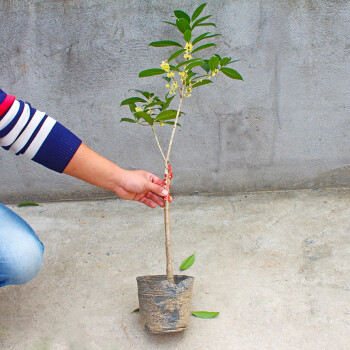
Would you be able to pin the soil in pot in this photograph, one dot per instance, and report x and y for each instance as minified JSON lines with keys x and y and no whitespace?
{"x":164,"y":305}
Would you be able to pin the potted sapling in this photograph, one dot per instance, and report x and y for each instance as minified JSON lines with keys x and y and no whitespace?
{"x":164,"y":300}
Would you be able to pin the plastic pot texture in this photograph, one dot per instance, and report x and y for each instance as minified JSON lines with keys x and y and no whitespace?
{"x":165,"y":306}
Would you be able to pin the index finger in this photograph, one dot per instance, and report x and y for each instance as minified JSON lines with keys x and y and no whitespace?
{"x":156,"y":180}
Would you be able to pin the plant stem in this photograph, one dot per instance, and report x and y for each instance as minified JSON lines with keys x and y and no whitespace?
{"x":160,"y":148}
{"x":169,"y":257}
{"x":174,"y":127}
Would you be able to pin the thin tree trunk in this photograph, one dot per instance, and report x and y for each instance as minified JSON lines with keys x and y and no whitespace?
{"x":169,"y":255}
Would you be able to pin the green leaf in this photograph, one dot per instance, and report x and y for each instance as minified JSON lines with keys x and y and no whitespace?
{"x":200,"y":83}
{"x":194,"y":64}
{"x":144,"y":116}
{"x":205,"y":66}
{"x":235,"y":61}
{"x":128,"y":120}
{"x":167,"y":102}
{"x":173,"y":24}
{"x":188,"y":61}
{"x":182,"y":25}
{"x":205,"y":46}
{"x":187,"y":35}
{"x":202,"y":37}
{"x":201,"y":76}
{"x":205,"y":314}
{"x":164,"y":118}
{"x":190,"y":74}
{"x":155,"y":103}
{"x":195,"y":24}
{"x":135,"y":310}
{"x":151,"y":72}
{"x":213,"y":62}
{"x":231,"y":73}
{"x":164,"y":43}
{"x":175,"y":54}
{"x":132,"y":107}
{"x":132,"y":100}
{"x":27,"y":204}
{"x":172,"y":67}
{"x":198,"y":11}
{"x":188,"y":262}
{"x":180,"y":14}
{"x":210,"y":36}
{"x":167,"y":79}
{"x":166,"y":115}
{"x":172,"y":123}
{"x":224,"y":61}
{"x":199,"y":38}
{"x":218,"y":56}
{"x":207,"y":24}
{"x":144,"y":93}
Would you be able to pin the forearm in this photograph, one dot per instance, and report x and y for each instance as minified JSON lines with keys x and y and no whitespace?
{"x":89,"y":166}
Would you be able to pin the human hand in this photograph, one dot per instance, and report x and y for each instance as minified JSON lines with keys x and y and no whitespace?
{"x":141,"y":186}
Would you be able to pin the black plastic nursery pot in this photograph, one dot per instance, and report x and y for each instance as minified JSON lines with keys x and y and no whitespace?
{"x":164,"y":305}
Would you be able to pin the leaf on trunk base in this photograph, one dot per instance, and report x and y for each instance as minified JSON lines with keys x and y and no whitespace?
{"x":26,"y":204}
{"x":205,"y":314}
{"x":188,"y":262}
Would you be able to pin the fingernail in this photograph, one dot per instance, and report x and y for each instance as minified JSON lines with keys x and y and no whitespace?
{"x":164,"y":192}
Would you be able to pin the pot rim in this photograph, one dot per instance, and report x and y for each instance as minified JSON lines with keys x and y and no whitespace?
{"x":162,"y":277}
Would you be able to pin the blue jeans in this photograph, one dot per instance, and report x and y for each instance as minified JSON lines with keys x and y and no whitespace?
{"x":21,"y":252}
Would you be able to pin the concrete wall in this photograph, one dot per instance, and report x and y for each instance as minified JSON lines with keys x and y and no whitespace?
{"x":286,"y":126}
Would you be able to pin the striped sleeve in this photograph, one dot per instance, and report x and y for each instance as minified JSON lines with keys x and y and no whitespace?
{"x":27,"y":131}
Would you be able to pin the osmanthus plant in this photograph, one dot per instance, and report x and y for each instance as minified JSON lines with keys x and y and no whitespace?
{"x":188,"y":73}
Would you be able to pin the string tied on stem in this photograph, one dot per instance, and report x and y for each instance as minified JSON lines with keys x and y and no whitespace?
{"x":167,"y":180}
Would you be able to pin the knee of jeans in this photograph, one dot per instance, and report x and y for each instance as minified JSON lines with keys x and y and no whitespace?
{"x":21,"y":252}
{"x":26,"y":262}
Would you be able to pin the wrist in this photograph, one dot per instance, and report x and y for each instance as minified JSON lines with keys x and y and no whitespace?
{"x":117,"y":179}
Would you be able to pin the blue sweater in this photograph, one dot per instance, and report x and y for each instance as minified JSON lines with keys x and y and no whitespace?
{"x":27,"y":131}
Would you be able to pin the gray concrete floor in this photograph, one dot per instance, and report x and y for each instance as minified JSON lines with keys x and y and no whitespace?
{"x":275,"y":264}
